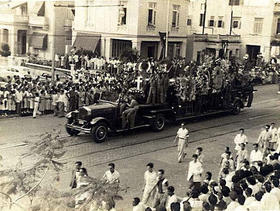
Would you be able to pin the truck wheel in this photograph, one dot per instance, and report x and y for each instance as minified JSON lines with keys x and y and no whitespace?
{"x":158,"y":123}
{"x":236,"y":108}
{"x":72,"y":132}
{"x":99,"y":132}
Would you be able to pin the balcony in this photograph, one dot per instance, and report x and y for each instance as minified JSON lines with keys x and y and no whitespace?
{"x":13,"y":19}
{"x":217,"y":38}
{"x":38,"y":21}
{"x":150,"y":28}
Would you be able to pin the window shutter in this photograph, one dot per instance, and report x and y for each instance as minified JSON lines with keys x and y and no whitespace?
{"x":223,"y":24}
{"x":178,"y":19}
{"x":209,"y":23}
{"x":215,"y":22}
{"x":239,"y":24}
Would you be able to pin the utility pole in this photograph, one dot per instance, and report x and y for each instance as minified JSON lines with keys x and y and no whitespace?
{"x":167,"y":29}
{"x":204,"y":16}
{"x":231,"y":17}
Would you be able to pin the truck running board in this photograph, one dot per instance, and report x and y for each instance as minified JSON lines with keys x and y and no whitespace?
{"x":136,"y":127}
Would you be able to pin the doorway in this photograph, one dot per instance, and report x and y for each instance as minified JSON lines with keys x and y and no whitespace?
{"x":22,"y":42}
{"x":252,"y":51}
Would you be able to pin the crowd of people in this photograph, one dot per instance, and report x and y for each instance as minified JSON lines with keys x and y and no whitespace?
{"x":246,"y":181}
{"x":150,"y":80}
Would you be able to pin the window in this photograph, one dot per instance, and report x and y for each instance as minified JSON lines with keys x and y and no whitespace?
{"x":201,"y":20}
{"x":212,"y":21}
{"x":220,"y":22}
{"x":41,"y":12}
{"x":236,"y":22}
{"x":258,"y":24}
{"x":175,"y":16}
{"x":122,"y":16}
{"x":189,"y":22}
{"x":5,"y":38}
{"x":278,"y":26}
{"x":152,"y":14}
{"x":234,"y":2}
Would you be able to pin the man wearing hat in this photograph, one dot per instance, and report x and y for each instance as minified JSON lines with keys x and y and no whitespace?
{"x":182,"y":138}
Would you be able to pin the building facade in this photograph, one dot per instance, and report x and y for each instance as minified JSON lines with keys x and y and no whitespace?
{"x":37,"y":27}
{"x":116,"y":25}
{"x":250,"y":21}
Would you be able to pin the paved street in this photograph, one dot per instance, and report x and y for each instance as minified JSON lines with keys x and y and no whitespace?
{"x":132,"y":152}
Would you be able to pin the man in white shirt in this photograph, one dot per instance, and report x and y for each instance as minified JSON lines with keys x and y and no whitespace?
{"x":256,"y":155}
{"x":182,"y":138}
{"x":269,"y":201}
{"x":150,"y":182}
{"x":137,"y":205}
{"x":264,"y":139}
{"x":111,"y":176}
{"x":195,"y":172}
{"x":171,"y":198}
{"x":242,"y":155}
{"x":239,"y":139}
{"x":274,"y":136}
{"x":18,"y":99}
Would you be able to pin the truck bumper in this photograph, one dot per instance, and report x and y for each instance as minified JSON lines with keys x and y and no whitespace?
{"x":79,"y":128}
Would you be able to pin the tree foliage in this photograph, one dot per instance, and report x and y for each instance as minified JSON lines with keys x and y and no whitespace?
{"x":27,"y":182}
{"x":5,"y":50}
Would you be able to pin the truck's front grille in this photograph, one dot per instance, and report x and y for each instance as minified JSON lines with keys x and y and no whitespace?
{"x":83,"y":113}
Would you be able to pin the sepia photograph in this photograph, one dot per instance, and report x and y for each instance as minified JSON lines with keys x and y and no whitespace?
{"x":140,"y":105}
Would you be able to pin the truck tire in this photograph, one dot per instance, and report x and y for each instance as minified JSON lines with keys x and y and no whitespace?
{"x":99,"y":132}
{"x":72,"y":132}
{"x":158,"y":123}
{"x":236,"y":108}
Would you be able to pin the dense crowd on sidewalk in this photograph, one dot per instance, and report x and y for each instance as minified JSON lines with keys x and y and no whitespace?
{"x":149,"y":79}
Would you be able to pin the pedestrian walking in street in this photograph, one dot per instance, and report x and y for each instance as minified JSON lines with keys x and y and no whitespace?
{"x":36,"y":105}
{"x":182,"y":139}
{"x":264,"y":139}
{"x":242,"y":155}
{"x":75,"y":174}
{"x":150,"y":182}
{"x":161,"y":188}
{"x":111,"y":176}
{"x":274,"y":136}
{"x":195,"y":173}
{"x":239,"y":139}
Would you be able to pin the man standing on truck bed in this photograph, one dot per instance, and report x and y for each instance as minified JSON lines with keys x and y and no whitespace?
{"x":182,"y":137}
{"x":128,"y":116}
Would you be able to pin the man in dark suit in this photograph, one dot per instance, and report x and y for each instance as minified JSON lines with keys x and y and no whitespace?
{"x":75,"y":173}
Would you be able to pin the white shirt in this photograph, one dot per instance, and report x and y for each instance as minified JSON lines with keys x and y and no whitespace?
{"x":255,"y":206}
{"x":239,"y":139}
{"x":183,"y":133}
{"x":150,"y":178}
{"x":274,"y":134}
{"x":111,"y":177}
{"x":249,"y":200}
{"x":269,"y":202}
{"x":195,"y":171}
{"x":256,"y":156}
{"x":232,"y":206}
{"x":276,"y":192}
{"x":169,"y":201}
{"x":139,"y":207}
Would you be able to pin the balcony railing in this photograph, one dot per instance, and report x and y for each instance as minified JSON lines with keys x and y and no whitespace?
{"x":11,"y":18}
{"x":38,"y":21}
{"x":150,"y":28}
{"x":216,"y":37}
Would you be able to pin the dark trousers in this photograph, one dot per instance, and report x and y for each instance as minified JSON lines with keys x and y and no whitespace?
{"x":18,"y":108}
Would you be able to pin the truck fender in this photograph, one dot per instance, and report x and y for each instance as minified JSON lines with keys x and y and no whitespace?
{"x":238,"y":100}
{"x":95,"y":120}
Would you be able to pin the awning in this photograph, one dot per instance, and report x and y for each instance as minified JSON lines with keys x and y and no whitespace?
{"x":87,"y":41}
{"x":39,"y":40}
{"x":15,"y":4}
{"x":39,"y":5}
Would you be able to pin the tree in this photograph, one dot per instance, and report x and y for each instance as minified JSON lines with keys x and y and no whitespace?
{"x":129,"y":55}
{"x":27,"y":183}
{"x":5,"y":50}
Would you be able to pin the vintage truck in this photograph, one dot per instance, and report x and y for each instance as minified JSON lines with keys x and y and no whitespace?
{"x":103,"y":117}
